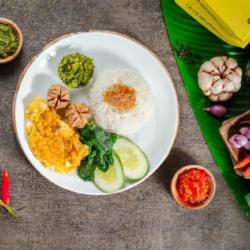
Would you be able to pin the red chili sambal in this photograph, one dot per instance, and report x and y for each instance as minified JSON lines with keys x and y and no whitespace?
{"x":194,"y":186}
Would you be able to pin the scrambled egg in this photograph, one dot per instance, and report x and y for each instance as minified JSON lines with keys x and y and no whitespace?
{"x":51,"y":140}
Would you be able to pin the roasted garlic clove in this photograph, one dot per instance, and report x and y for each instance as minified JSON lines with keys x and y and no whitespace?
{"x":77,"y":115}
{"x":219,"y":78}
{"x":58,"y":96}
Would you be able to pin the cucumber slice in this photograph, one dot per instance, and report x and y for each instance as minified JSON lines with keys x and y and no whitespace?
{"x":134,"y":161}
{"x":111,"y":180}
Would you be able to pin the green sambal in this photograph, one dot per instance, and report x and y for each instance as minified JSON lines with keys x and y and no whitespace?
{"x":76,"y":70}
{"x":8,"y":41}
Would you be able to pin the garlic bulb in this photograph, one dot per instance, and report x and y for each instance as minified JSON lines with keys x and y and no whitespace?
{"x":219,"y":78}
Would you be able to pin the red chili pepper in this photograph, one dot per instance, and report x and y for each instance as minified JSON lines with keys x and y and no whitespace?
{"x":246,"y":172}
{"x":243,"y":163}
{"x":6,"y":187}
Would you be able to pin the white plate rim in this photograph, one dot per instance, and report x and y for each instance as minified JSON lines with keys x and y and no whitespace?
{"x":22,"y":74}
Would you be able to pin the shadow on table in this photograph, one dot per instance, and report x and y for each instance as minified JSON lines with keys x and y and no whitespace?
{"x":11,"y":67}
{"x":176,"y":159}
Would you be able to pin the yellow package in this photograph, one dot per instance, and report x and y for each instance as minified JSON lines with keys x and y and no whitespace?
{"x":201,"y":11}
{"x":235,"y":15}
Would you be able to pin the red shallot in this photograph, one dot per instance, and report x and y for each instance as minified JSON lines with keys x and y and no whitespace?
{"x":238,"y":141}
{"x":216,"y":110}
{"x":245,"y":131}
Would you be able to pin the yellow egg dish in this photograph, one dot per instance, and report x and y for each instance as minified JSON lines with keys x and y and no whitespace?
{"x":51,"y":140}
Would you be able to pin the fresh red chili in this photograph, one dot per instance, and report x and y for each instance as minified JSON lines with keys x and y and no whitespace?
{"x":5,"y":187}
{"x":193,"y":186}
{"x":243,"y":163}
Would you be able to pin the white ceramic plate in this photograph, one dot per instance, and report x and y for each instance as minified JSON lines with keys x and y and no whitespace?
{"x":109,"y":50}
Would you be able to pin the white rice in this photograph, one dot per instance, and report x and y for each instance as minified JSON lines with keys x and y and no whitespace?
{"x":113,"y":120}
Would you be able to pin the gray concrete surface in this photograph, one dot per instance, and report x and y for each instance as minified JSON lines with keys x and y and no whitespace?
{"x":145,"y":217}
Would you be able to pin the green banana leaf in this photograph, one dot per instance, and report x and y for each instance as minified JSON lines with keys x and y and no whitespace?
{"x":193,"y":44}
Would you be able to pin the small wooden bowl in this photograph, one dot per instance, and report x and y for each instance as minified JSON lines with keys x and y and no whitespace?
{"x":19,"y":34}
{"x":176,"y":195}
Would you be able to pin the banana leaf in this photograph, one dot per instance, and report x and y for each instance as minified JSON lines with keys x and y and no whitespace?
{"x":192,"y":45}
